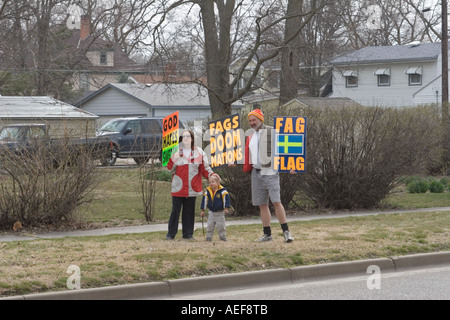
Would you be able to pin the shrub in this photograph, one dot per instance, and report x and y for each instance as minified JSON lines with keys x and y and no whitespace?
{"x":164,"y":175}
{"x":44,"y":187}
{"x":417,"y":186}
{"x":239,"y":187}
{"x":355,"y":155}
{"x":436,"y":186}
{"x":445,"y":182}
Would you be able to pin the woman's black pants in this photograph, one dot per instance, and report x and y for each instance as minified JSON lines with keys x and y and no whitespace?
{"x":187,"y":217}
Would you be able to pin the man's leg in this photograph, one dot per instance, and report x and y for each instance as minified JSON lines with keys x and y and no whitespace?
{"x":265,"y":218}
{"x":265,"y":215}
{"x":280,"y":212}
{"x":281,"y":215}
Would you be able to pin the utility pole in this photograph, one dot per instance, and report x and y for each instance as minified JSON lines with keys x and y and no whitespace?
{"x":444,"y":71}
{"x":445,"y":105}
{"x":444,"y":54}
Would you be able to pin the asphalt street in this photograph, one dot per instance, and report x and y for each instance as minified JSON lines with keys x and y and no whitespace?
{"x":431,"y":283}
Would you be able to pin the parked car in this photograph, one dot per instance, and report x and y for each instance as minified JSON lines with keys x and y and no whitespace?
{"x":22,"y":139}
{"x":136,"y":138}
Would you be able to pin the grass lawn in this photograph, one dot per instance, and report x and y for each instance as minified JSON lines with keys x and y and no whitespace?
{"x":41,"y":265}
{"x":405,"y":200}
{"x":118,"y":203}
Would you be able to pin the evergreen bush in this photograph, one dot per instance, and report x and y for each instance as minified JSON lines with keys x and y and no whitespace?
{"x":418,"y":186}
{"x":436,"y":186}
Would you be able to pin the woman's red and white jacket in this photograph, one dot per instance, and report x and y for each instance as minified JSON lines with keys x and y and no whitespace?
{"x":188,"y":173}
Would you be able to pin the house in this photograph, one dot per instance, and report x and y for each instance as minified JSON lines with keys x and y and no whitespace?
{"x":405,"y":75}
{"x":265,"y":91}
{"x":267,"y":79}
{"x":313,"y":102}
{"x":100,"y":62}
{"x":62,"y":119}
{"x":261,"y":100}
{"x":152,"y":100}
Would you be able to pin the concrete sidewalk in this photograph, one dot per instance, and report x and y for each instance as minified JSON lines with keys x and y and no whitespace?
{"x":8,"y":237}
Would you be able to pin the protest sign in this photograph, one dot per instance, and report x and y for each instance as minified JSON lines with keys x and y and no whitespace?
{"x":290,"y":144}
{"x":226,"y":141}
{"x":171,"y":135}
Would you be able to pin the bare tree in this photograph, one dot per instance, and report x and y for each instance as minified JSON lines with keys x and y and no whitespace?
{"x":37,"y":44}
{"x":290,"y":53}
{"x":385,"y":22}
{"x":225,"y":40}
{"x":124,"y":23}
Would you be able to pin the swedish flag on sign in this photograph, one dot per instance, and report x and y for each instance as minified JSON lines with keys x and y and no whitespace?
{"x":289,"y":144}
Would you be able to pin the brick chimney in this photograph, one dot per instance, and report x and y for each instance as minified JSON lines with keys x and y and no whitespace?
{"x":85,"y":27}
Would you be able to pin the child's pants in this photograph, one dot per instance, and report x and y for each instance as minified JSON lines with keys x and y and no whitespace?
{"x":216,"y":219}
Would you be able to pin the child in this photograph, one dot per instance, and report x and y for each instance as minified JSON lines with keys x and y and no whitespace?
{"x":217,"y":200}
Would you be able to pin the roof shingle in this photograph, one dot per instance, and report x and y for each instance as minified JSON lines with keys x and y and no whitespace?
{"x":419,"y":52}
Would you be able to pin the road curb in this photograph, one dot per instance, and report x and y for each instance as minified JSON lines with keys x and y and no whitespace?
{"x":420,"y":260}
{"x":173,"y":288}
{"x":125,"y":292}
{"x":329,"y":270}
{"x":229,"y":281}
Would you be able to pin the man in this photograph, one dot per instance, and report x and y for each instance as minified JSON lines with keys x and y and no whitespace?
{"x":265,"y":181}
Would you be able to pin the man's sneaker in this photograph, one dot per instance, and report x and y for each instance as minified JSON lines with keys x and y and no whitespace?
{"x":265,"y":238}
{"x":287,"y":236}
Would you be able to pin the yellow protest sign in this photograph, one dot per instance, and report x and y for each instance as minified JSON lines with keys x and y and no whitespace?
{"x":226,"y":141}
{"x":290,"y":144}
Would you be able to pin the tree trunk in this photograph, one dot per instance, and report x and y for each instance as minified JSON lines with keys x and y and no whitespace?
{"x":217,"y":54}
{"x":290,"y":57}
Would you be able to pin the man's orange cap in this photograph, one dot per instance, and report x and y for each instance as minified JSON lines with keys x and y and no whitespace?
{"x":257,"y":113}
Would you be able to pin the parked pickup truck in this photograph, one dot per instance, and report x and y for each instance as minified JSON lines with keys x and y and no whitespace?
{"x":21,"y":138}
{"x":137,"y":138}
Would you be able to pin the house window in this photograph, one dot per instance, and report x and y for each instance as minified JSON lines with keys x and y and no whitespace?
{"x":384,"y":80}
{"x":103,"y":58}
{"x":351,"y":79}
{"x":414,"y":75}
{"x":384,"y":76}
{"x":415,"y":79}
{"x":85,"y":82}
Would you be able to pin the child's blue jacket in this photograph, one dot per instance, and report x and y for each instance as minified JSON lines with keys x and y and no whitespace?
{"x":216,"y":201}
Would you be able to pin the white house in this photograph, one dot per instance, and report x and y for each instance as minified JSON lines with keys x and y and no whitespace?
{"x":405,"y":75}
{"x":155,"y":100}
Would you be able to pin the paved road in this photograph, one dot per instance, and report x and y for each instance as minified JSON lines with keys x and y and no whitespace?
{"x":423,"y":284}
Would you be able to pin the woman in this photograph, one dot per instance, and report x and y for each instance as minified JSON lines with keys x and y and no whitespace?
{"x":188,"y":165}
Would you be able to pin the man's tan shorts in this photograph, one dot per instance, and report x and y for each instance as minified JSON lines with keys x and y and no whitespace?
{"x":265,"y":187}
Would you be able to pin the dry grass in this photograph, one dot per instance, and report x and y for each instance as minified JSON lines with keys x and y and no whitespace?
{"x":39,"y":266}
